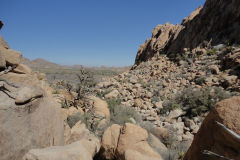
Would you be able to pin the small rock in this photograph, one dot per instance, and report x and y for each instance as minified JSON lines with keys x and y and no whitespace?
{"x":187,"y":136}
{"x":158,"y":105}
{"x":112,"y":94}
{"x":138,"y":103}
{"x":175,"y":114}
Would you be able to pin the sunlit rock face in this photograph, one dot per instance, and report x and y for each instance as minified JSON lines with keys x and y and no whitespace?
{"x":217,"y":22}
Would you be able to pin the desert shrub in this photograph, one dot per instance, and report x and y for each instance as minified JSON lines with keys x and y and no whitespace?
{"x":121,"y":114}
{"x":85,"y":118}
{"x":200,"y":80}
{"x":175,"y":153}
{"x":155,"y":99}
{"x":168,"y":106}
{"x":229,"y":48}
{"x":101,"y":94}
{"x":195,"y":101}
{"x":64,"y":104}
{"x":56,"y":92}
{"x":73,"y":119}
{"x":212,"y":51}
{"x":147,"y":125}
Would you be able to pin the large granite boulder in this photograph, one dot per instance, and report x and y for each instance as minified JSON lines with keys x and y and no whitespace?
{"x":219,"y":133}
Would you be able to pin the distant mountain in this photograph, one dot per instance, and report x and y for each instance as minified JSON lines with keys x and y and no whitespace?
{"x":40,"y":63}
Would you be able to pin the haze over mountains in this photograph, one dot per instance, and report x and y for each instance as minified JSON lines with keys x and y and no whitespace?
{"x":42,"y":63}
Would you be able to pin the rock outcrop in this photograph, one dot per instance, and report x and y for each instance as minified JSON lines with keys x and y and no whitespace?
{"x":160,"y":37}
{"x":81,"y":145}
{"x":217,"y":22}
{"x":29,"y":117}
{"x":127,"y":143}
{"x":219,"y":133}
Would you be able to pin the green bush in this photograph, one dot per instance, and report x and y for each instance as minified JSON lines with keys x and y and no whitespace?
{"x":64,"y":104}
{"x":211,"y":51}
{"x":200,"y":80}
{"x":101,"y":94}
{"x":73,"y":119}
{"x":195,"y":101}
{"x":168,"y":106}
{"x":229,"y":48}
{"x":155,"y":99}
{"x":121,"y":114}
{"x":85,"y":118}
{"x":56,"y":92}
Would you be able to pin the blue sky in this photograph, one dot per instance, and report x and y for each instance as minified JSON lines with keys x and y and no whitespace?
{"x":87,"y":32}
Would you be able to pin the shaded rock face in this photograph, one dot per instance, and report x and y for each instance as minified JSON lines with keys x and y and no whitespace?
{"x":1,"y":24}
{"x":213,"y":137}
{"x":217,"y":22}
{"x":29,"y":116}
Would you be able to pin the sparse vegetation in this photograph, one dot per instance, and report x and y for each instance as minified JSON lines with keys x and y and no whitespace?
{"x":56,"y":92}
{"x":196,"y":102}
{"x":101,"y":94}
{"x":168,"y":106}
{"x":86,"y":118}
{"x":212,"y":51}
{"x":200,"y":80}
{"x":175,"y":153}
{"x":120,"y":114}
{"x":73,"y":119}
{"x":64,"y":104}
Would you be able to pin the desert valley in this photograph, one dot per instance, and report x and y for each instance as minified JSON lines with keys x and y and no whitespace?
{"x":179,"y":101}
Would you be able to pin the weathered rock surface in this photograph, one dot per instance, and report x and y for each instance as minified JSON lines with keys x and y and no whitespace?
{"x":110,"y":141}
{"x":26,"y":94}
{"x":29,"y":117}
{"x":80,"y":145}
{"x":100,"y":108}
{"x":80,"y":132}
{"x":160,"y":36}
{"x":213,"y":137}
{"x":124,"y":145}
{"x":22,"y":69}
{"x":73,"y":151}
{"x":34,"y":125}
{"x":213,"y":24}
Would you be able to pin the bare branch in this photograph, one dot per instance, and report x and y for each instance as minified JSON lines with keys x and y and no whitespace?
{"x":232,"y":133}
{"x":206,"y":152}
{"x":9,"y":69}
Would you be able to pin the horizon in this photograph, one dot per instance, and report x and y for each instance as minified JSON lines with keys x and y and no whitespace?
{"x":89,"y":33}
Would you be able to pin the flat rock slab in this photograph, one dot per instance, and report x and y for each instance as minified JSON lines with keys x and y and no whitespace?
{"x":26,"y":94}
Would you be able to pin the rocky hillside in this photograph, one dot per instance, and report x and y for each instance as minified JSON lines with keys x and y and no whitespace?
{"x":166,"y":107}
{"x":181,"y":72}
{"x":216,"y":23}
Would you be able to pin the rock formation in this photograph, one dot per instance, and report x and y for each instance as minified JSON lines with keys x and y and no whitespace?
{"x":29,"y":117}
{"x":219,"y":133}
{"x":217,"y":22}
{"x":81,"y":145}
{"x":127,"y":143}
